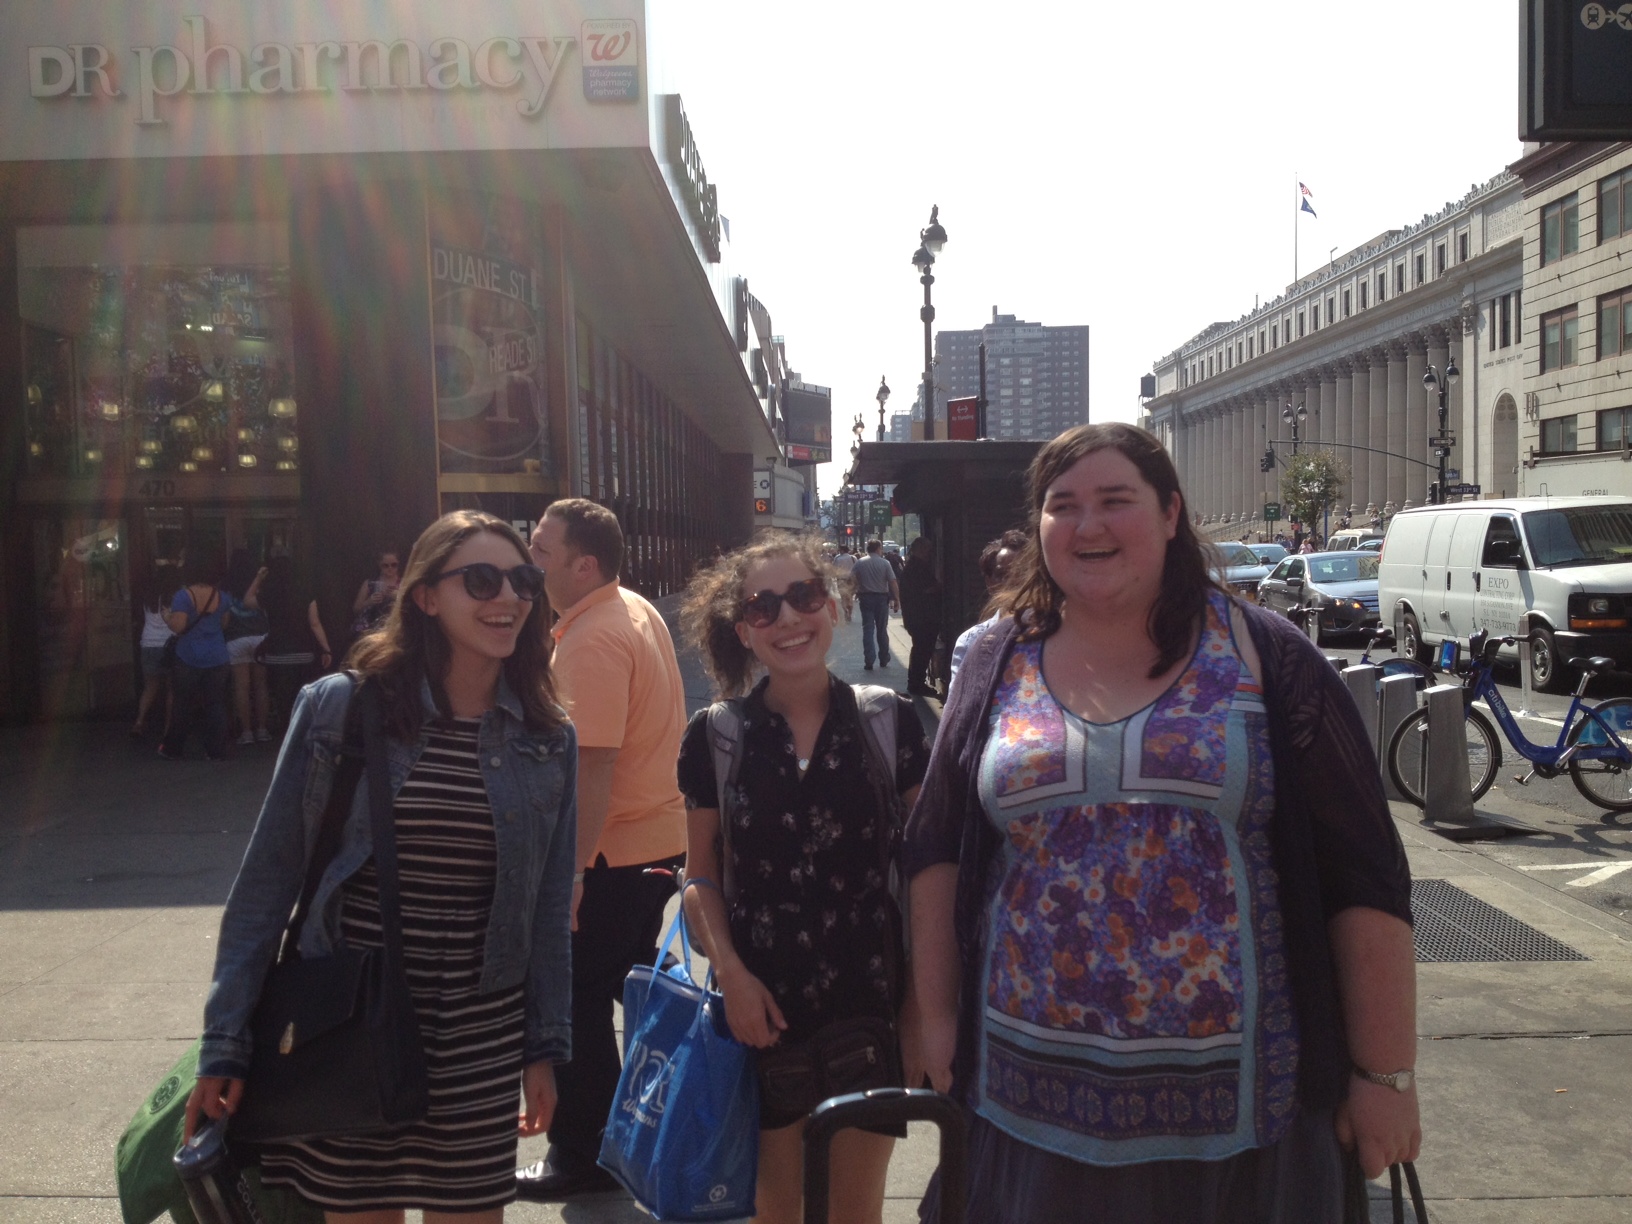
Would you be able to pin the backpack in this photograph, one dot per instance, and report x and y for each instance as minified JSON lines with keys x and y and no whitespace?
{"x":876,"y":707}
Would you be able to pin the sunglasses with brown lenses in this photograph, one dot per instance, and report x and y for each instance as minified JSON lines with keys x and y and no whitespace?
{"x":763,"y":608}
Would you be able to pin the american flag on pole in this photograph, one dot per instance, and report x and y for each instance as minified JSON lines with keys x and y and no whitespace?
{"x":1305,"y":196}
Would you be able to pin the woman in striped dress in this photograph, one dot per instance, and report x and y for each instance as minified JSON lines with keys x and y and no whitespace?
{"x":482,"y":764}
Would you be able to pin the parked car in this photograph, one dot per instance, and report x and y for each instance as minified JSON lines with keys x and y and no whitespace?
{"x":1373,"y":546}
{"x":1269,"y":554}
{"x":1562,"y":566}
{"x":1351,"y":538}
{"x":1342,"y":587}
{"x":1241,"y":570}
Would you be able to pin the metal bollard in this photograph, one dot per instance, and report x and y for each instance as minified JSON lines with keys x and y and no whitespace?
{"x":1447,"y":788}
{"x":1361,"y":681}
{"x":1337,"y":661}
{"x":1396,"y":702}
{"x":1526,"y":695}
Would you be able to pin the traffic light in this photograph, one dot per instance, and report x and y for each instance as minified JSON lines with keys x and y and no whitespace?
{"x":1434,"y":497}
{"x":1267,"y":463}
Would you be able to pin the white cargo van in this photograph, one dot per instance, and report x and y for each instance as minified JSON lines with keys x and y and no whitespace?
{"x":1449,"y":570}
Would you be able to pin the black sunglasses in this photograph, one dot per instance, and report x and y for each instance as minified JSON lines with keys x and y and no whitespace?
{"x":763,"y":609}
{"x":485,"y":581}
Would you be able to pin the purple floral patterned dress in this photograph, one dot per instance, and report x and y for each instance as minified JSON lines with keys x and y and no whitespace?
{"x":1136,"y":998}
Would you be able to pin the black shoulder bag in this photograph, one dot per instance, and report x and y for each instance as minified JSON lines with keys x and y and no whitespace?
{"x":336,"y":1046}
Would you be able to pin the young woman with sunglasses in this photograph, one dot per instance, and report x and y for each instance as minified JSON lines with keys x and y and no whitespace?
{"x":483,"y":765}
{"x":811,"y":934}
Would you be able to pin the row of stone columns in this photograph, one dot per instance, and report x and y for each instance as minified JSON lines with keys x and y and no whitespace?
{"x":1370,"y":409}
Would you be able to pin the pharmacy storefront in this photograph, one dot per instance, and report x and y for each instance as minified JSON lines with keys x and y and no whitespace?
{"x":296,"y":282}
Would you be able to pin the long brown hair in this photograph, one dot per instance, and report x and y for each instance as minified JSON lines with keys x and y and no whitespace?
{"x":409,"y":646}
{"x":713,"y":605}
{"x":1035,"y":598}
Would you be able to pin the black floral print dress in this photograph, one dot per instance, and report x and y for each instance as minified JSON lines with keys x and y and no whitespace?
{"x":812,"y":917}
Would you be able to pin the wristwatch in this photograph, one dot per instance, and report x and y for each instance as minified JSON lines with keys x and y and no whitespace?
{"x":1400,"y":1081}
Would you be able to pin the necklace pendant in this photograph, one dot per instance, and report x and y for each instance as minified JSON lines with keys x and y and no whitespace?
{"x":804,"y":764}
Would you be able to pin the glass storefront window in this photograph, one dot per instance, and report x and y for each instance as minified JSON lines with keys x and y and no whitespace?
{"x":157,"y":349}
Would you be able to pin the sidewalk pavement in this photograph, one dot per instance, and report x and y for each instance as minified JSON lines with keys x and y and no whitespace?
{"x":114,"y":866}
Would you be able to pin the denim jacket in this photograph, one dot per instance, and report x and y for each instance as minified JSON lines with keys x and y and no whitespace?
{"x":531,"y":784}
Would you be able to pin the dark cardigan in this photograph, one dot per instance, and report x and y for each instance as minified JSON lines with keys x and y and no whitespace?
{"x":1334,"y":840}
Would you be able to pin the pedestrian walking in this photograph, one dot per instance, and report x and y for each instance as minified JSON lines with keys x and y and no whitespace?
{"x":1153,"y":869}
{"x":615,"y":663}
{"x":245,"y":631}
{"x":374,"y":598}
{"x":878,"y":594}
{"x":844,"y":564}
{"x":807,"y":945}
{"x":154,"y":598}
{"x":481,"y":761}
{"x":296,"y":649}
{"x":198,"y":675}
{"x":920,"y":594}
{"x":996,"y":559}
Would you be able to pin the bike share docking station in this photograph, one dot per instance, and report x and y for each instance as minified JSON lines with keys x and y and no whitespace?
{"x":1438,"y":763}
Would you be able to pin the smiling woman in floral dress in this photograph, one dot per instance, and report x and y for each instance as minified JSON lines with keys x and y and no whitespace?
{"x":1161,"y":917}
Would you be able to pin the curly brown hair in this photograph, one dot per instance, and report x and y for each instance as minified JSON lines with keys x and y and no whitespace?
{"x":713,"y":605}
{"x":1031,"y":592}
{"x":409,"y":647}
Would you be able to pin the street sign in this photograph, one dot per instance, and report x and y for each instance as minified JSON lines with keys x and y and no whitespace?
{"x":1272,"y":512}
{"x":764,"y":492}
{"x":878,"y":514}
{"x":1453,"y":474}
{"x":1462,"y":490}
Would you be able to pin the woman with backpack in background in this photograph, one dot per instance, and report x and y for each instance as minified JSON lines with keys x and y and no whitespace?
{"x":791,"y":900}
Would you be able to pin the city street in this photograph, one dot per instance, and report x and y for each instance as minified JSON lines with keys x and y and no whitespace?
{"x":114,"y":865}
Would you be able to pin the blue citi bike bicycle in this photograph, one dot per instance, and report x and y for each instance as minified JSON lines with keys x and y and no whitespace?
{"x":1593,"y":744}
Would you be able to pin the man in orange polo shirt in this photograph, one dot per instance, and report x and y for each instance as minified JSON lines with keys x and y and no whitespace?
{"x":615,"y":667}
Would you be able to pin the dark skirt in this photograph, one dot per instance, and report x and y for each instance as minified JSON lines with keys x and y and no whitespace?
{"x":1299,"y":1180}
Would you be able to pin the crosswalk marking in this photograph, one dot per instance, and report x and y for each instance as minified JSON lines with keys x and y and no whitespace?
{"x":1604,"y":871}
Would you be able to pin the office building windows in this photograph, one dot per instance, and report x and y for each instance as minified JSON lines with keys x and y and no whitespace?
{"x":1275,"y":335}
{"x":1382,"y":286}
{"x":1300,"y":324}
{"x":1399,"y":278}
{"x":1363,"y":286}
{"x":1439,"y":259}
{"x":1558,"y":339}
{"x":1462,"y":247}
{"x":1560,"y":229}
{"x":1558,"y":435}
{"x":1615,"y":429}
{"x":1420,"y":260}
{"x":1314,"y":317}
{"x":1346,"y":301}
{"x":1615,"y":206}
{"x":1615,"y":324}
{"x":1331,"y":311}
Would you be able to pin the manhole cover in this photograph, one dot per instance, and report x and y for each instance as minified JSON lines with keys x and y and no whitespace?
{"x":1454,"y":925}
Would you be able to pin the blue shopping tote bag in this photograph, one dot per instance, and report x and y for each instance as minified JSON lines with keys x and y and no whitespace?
{"x":683,"y":1135}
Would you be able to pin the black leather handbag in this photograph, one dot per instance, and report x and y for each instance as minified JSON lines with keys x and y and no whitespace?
{"x":336,"y":1045}
{"x":843,"y":1057}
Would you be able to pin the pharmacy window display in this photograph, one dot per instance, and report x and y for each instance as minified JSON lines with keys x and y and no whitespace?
{"x":157,"y":350}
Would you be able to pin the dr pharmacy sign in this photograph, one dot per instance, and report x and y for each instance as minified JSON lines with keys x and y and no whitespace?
{"x":528,"y":64}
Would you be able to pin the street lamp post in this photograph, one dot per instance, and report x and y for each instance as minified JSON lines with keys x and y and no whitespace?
{"x":930,"y":241}
{"x":1442,"y":442}
{"x":1294,"y":417}
{"x":881,"y":395}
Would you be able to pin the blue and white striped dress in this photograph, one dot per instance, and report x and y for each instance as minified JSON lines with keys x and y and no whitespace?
{"x":462,"y":1157}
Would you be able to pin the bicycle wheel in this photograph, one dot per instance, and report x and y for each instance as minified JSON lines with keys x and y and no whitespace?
{"x":1606,"y":777}
{"x":1407,"y":759}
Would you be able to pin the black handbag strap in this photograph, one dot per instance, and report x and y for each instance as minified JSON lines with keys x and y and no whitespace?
{"x":341,"y":792}
{"x":383,"y":820}
{"x":1419,"y":1207}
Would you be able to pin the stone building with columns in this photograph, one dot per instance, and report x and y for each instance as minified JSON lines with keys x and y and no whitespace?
{"x":1350,"y":343}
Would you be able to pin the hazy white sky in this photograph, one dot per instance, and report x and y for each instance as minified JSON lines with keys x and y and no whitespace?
{"x":1129,"y":166}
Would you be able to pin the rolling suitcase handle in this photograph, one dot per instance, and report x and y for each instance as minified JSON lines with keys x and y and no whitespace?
{"x":882,"y":1107}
